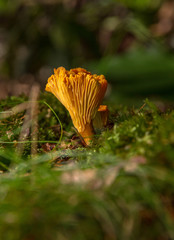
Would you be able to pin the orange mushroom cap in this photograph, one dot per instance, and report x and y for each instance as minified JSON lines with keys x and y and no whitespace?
{"x":80,"y":92}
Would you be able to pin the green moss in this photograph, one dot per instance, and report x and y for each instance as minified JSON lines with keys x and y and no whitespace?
{"x":119,"y":188}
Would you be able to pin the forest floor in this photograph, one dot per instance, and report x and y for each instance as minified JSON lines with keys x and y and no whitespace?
{"x":52,"y":187}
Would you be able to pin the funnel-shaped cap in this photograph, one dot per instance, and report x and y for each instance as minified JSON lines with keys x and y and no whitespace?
{"x":80,"y":92}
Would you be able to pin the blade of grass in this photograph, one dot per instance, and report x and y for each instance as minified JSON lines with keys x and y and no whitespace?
{"x":61,"y":127}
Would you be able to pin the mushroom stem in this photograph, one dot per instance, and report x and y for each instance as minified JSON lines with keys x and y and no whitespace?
{"x":87,"y":134}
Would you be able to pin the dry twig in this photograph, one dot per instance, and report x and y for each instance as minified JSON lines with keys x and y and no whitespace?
{"x":14,"y":110}
{"x":34,"y":116}
{"x":30,"y":120}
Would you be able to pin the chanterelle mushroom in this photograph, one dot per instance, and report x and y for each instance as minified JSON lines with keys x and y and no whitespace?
{"x":101,"y":117}
{"x":81,"y":93}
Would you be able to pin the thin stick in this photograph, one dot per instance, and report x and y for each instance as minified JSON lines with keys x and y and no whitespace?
{"x":14,"y":110}
{"x":141,"y":107}
{"x":34,"y":116}
{"x":25,"y":131}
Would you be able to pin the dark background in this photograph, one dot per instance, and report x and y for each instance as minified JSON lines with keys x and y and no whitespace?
{"x":130,"y":42}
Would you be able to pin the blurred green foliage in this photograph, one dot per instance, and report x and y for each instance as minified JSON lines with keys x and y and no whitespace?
{"x":139,"y":74}
{"x":131,"y":42}
{"x":120,"y":188}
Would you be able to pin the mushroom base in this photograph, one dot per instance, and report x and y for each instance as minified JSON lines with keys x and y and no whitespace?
{"x":87,"y":134}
